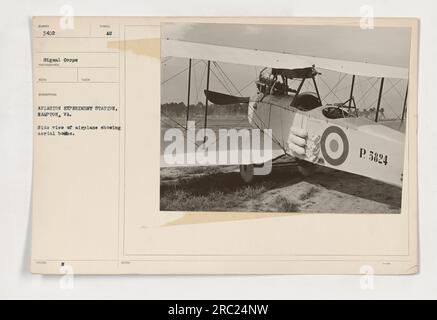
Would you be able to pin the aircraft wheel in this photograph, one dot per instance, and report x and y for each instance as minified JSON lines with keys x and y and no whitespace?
{"x":307,"y":169}
{"x":246,"y":173}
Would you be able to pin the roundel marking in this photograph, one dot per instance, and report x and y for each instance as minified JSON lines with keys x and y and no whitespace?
{"x":338,"y":141}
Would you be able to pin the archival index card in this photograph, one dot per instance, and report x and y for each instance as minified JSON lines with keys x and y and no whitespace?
{"x":140,"y":162}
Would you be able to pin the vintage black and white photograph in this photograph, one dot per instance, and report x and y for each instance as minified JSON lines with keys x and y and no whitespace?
{"x":283,"y":118}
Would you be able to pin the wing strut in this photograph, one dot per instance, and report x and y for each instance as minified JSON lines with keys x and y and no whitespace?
{"x":352,"y":91}
{"x":317,"y":90}
{"x":379,"y":99}
{"x":293,"y":102}
{"x":206,"y":99}
{"x":189,"y":91}
{"x":405,"y":105}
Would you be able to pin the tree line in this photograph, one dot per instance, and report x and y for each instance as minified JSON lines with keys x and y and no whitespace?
{"x":174,"y":109}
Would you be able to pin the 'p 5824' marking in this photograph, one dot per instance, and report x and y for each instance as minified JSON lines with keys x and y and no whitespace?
{"x":373,"y":156}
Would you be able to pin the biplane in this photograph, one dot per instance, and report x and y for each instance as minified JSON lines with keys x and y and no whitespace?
{"x":301,"y":125}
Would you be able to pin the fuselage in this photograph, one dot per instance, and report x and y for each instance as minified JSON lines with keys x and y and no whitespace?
{"x":362,"y":146}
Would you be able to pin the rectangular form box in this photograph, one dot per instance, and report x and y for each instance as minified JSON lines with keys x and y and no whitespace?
{"x":48,"y":74}
{"x":98,"y":74}
{"x":107,"y":30}
{"x":77,"y":60}
{"x":79,"y":45}
{"x":71,"y":27}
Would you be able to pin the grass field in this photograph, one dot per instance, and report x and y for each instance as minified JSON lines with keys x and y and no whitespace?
{"x":284,"y":190}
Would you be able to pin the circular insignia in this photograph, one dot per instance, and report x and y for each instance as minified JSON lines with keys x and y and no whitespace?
{"x":334,"y":145}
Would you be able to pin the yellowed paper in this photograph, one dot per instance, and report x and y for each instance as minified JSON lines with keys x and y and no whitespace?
{"x":97,"y":176}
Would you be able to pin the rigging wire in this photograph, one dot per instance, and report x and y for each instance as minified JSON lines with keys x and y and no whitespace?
{"x":170,"y":118}
{"x":223,"y":80}
{"x":385,"y":92}
{"x":274,"y":139}
{"x":223,"y":85}
{"x":201,"y":81}
{"x":195,"y":79}
{"x":177,"y":123}
{"x":247,"y":85}
{"x":228,"y":79}
{"x":331,"y":90}
{"x":385,"y":100}
{"x":401,"y":95}
{"x":177,"y":74}
{"x":223,"y":77}
{"x":366,"y":94}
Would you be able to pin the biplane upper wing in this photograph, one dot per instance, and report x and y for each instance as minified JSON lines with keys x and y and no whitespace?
{"x":202,"y":51}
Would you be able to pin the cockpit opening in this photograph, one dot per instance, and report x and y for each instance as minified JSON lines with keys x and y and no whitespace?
{"x":279,"y":82}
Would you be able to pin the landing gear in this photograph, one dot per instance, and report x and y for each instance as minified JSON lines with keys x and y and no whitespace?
{"x":307,"y":169}
{"x":246,"y":173}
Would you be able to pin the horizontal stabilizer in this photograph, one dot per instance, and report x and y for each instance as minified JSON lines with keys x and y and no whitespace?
{"x":222,"y":99}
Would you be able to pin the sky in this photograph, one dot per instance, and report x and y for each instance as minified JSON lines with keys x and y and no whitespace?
{"x":388,"y":46}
